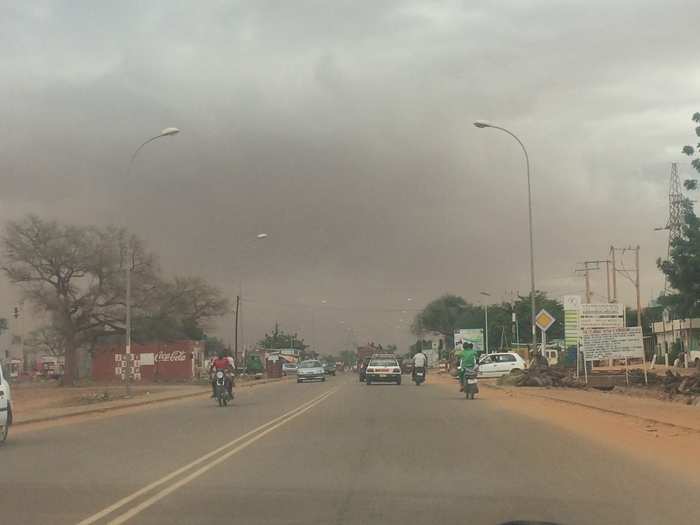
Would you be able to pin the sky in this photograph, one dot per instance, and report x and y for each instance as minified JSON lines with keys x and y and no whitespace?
{"x":344,"y":131}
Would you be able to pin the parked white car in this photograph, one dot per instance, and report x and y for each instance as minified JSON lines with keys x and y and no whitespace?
{"x":5,"y":406}
{"x":501,"y":364}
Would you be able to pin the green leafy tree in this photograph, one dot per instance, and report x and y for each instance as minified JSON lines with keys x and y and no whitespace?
{"x":348,"y":357}
{"x":280,"y":339}
{"x":213,"y":345}
{"x":682,"y":268}
{"x":446,"y":314}
{"x":523,"y":311}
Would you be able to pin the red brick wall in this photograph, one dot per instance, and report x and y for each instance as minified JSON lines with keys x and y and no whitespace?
{"x":173,"y":361}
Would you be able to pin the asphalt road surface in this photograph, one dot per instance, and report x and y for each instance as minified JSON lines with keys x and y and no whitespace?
{"x":338,"y":452}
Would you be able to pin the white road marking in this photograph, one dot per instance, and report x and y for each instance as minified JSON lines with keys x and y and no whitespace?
{"x":269,"y":426}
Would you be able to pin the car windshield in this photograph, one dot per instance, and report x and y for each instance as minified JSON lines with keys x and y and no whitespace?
{"x":383,"y":362}
{"x":321,"y":190}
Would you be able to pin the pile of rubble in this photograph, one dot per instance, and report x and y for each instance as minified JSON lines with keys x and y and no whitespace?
{"x":546,"y":376}
{"x":674,"y":383}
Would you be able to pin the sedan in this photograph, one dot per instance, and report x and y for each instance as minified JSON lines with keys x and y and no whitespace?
{"x":501,"y":364}
{"x":383,"y":370}
{"x":311,"y":370}
{"x":329,"y":367}
{"x":289,"y":368}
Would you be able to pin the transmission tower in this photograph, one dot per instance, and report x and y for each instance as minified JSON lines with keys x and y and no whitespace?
{"x":675,"y":212}
{"x":675,"y":206}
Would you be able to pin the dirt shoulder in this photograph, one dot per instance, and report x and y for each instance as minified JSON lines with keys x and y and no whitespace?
{"x":42,"y":403}
{"x":648,"y":430}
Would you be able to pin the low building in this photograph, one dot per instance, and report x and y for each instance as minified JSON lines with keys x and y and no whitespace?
{"x":172,"y":361}
{"x":685,"y":332}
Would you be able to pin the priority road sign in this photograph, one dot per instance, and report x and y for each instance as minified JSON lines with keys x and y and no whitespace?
{"x":544,"y":320}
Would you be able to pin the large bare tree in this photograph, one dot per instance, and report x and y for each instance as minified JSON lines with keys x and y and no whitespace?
{"x":75,"y":274}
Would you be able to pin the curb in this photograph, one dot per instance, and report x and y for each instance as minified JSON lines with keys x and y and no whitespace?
{"x":599,"y":409}
{"x":102,"y":410}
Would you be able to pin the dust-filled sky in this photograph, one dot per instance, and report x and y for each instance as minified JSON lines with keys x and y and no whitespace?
{"x":343,"y":130}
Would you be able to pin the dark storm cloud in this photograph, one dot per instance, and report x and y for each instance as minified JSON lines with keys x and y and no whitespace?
{"x":343,"y":129}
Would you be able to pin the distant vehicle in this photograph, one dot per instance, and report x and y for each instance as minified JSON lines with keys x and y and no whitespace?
{"x":311,"y":370}
{"x":289,"y":368}
{"x":5,"y":406}
{"x":329,"y":368}
{"x":501,"y":364}
{"x":383,"y":369}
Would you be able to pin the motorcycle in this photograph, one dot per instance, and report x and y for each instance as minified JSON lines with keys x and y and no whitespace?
{"x":222,"y":396}
{"x":419,"y":376}
{"x":471,"y":383}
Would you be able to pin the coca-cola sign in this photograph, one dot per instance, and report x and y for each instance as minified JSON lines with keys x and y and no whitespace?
{"x":174,"y":356}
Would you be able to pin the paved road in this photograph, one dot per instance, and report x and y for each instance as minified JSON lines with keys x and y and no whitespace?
{"x":337,"y":452}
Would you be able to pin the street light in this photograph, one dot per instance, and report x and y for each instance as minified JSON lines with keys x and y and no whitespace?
{"x":486,"y":321}
{"x":483,"y":124}
{"x":236,"y":324}
{"x":167,"y":132}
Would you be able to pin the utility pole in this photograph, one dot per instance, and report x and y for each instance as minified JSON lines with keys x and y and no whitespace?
{"x":587,"y":267}
{"x":607,"y":278}
{"x":636,"y":284}
{"x":614,"y":275}
{"x":235,"y":331}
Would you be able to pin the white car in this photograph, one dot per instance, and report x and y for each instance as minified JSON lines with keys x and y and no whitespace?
{"x":5,"y":406}
{"x":311,"y":370}
{"x":501,"y":364}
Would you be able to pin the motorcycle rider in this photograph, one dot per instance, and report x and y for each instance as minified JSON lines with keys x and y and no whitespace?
{"x":224,"y":364}
{"x":420,"y":360}
{"x":467,"y":360}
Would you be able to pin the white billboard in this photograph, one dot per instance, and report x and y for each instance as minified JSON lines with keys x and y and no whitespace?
{"x":606,"y":315}
{"x":615,"y":343}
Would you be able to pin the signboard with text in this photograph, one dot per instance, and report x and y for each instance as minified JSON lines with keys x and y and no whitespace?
{"x":612,"y":343}
{"x":474,"y":336}
{"x":606,"y":315}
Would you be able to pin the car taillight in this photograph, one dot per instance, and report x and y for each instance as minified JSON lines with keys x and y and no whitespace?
{"x":396,"y":370}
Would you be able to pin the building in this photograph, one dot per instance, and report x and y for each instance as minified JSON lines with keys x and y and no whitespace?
{"x":685,"y":332}
{"x":171,"y":361}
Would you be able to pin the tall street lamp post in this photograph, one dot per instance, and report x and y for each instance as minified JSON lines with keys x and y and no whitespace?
{"x":486,"y":321}
{"x":167,"y":132}
{"x":483,"y":124}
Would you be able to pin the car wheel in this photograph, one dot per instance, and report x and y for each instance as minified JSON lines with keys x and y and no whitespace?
{"x":516,"y":371}
{"x":298,"y":380}
{"x":323,"y":380}
{"x":368,"y":382}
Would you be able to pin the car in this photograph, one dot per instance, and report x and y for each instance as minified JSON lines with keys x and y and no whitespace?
{"x":501,"y":364}
{"x":383,"y":369}
{"x":310,"y":370}
{"x":5,"y":406}
{"x":289,"y":368}
{"x":329,"y":367}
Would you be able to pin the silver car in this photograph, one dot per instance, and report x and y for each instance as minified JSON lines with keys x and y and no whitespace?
{"x":311,"y":370}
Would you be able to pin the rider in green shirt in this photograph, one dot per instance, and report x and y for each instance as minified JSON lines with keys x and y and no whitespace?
{"x":467,"y":360}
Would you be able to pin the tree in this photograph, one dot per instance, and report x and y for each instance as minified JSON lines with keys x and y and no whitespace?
{"x":279,"y":339}
{"x":446,"y":314}
{"x":682,"y":268}
{"x":523,"y":311}
{"x":348,"y":357}
{"x":47,"y":340}
{"x":76,"y":275}
{"x":213,"y":345}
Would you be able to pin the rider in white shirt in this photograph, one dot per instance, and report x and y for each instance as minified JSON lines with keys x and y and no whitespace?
{"x":420,"y":360}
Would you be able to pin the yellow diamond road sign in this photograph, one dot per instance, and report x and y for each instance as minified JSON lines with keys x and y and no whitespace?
{"x":544,"y":320}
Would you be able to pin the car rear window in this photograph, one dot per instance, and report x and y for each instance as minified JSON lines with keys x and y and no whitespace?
{"x":507,"y":358}
{"x":383,"y":362}
{"x":310,"y":364}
